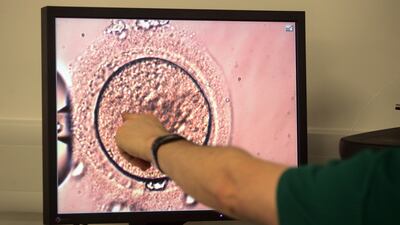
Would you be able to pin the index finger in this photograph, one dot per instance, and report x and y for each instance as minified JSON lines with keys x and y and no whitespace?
{"x":129,"y":116}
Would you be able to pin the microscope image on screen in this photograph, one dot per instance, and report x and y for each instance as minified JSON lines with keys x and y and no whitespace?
{"x":214,"y":83}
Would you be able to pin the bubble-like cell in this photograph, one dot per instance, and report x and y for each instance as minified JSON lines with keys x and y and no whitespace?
{"x":114,"y":206}
{"x":78,"y":171}
{"x":189,"y":200}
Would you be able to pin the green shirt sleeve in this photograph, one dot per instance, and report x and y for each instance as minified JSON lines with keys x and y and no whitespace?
{"x":362,"y":190}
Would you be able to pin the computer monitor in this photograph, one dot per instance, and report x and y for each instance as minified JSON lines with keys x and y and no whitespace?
{"x":216,"y":77}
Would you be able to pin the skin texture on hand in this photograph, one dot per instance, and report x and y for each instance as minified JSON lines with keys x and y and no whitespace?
{"x":137,"y":134}
{"x":227,"y":179}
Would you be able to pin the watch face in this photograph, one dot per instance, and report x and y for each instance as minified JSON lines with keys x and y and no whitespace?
{"x":212,"y":82}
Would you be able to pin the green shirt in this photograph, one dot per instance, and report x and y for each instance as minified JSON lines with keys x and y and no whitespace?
{"x":362,"y":190}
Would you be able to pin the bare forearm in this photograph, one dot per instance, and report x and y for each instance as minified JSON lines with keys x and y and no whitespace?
{"x":198,"y":170}
{"x":224,"y":178}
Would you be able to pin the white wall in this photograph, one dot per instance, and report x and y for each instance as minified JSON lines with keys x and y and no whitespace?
{"x":353,"y":58}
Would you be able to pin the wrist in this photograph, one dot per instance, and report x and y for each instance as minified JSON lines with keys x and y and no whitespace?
{"x":160,"y":142}
{"x":148,"y":146}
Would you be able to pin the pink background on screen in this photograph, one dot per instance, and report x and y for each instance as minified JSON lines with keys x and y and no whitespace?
{"x":262,"y":57}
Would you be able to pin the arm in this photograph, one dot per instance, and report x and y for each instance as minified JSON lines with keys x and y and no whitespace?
{"x":225,"y":178}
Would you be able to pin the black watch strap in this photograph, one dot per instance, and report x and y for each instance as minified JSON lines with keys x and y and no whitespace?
{"x":161,"y":141}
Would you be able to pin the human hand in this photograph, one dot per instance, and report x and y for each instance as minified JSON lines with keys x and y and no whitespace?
{"x":136,"y":135}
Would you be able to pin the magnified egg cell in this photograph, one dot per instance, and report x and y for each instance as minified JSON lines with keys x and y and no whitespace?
{"x":142,"y":66}
{"x":157,"y":86}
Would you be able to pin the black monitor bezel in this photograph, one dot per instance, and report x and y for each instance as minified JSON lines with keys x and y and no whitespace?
{"x":50,"y":13}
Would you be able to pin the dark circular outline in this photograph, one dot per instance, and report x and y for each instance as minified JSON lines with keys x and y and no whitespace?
{"x":99,"y":99}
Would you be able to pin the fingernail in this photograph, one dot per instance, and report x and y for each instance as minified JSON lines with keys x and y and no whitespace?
{"x":124,"y":115}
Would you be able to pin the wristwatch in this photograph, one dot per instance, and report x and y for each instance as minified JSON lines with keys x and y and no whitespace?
{"x":158,"y":142}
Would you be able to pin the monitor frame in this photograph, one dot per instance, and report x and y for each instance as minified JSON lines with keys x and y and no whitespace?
{"x":49,"y":111}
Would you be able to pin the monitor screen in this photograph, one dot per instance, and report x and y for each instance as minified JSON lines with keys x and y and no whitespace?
{"x":215,"y":81}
